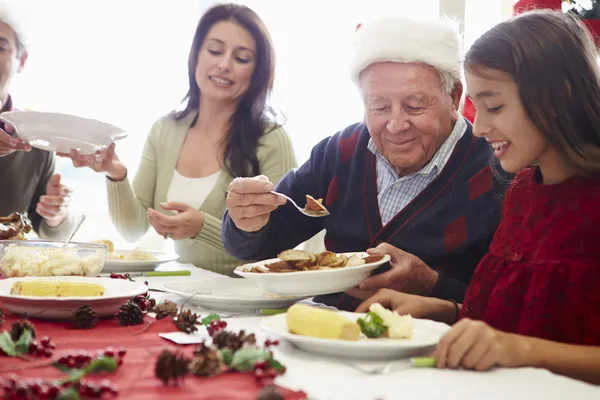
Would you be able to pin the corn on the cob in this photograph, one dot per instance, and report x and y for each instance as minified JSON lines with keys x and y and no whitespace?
{"x":320,"y":323}
{"x":56,"y":289}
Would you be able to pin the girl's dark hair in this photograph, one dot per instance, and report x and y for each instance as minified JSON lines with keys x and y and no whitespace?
{"x":552,"y":58}
{"x":251,"y":117}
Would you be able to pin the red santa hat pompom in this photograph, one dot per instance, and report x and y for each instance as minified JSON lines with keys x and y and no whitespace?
{"x":399,"y":39}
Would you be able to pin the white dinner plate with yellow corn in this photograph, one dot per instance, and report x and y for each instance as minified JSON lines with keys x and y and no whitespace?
{"x":310,"y":283}
{"x":58,"y":297}
{"x":425,"y":336}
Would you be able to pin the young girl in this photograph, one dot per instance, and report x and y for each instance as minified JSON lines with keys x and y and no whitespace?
{"x":535,"y":83}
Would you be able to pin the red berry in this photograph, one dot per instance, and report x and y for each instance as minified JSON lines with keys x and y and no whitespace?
{"x":71,"y":362}
{"x":32,"y":347}
{"x":267,"y":343}
{"x":275,"y":342}
{"x":8,"y":390}
{"x":109,"y":352}
{"x":223,"y":324}
{"x":45,"y":341}
{"x":82,"y":357}
{"x":47,"y":353}
{"x":259,"y":373}
{"x":63,"y":360}
{"x":120,"y":362}
{"x":36,"y":387}
{"x":122,"y":352}
{"x":114,"y":390}
{"x":21,"y":391}
{"x":53,"y":390}
{"x":51,"y":346}
{"x":273,"y":372}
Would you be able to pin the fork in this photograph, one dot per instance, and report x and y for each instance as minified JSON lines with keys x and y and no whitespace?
{"x":415,"y":362}
{"x":317,"y":214}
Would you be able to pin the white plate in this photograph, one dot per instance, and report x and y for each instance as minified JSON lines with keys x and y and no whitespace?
{"x":62,"y":132}
{"x":426,"y":335}
{"x":116,"y":293}
{"x":310,"y":283}
{"x":227,"y":294}
{"x":137,"y":266}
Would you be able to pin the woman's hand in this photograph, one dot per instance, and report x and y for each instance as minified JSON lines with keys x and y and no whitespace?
{"x":475,"y":345}
{"x":102,"y":161}
{"x":186,"y":224}
{"x":402,"y":303}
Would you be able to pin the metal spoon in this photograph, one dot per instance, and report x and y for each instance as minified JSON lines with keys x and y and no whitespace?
{"x":74,"y":231}
{"x":314,"y":214}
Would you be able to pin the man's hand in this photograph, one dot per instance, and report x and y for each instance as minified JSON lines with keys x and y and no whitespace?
{"x":409,"y":274}
{"x":8,"y":144}
{"x":53,"y":205}
{"x":250,"y":204}
{"x":186,"y":224}
{"x":475,"y":345}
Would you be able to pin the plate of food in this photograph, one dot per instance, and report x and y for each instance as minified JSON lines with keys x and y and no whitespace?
{"x":379,"y":334}
{"x":62,"y":132}
{"x":302,"y":273}
{"x":228,"y":294}
{"x":135,"y":260}
{"x":58,"y":297}
{"x":20,"y":258}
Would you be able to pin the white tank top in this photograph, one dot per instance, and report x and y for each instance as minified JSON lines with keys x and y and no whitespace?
{"x":192,"y":191}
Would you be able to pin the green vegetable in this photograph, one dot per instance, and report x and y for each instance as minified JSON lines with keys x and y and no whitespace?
{"x":372,"y":325}
{"x":68,"y":394}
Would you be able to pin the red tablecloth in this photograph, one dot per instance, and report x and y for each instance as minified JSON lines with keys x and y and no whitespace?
{"x":135,"y":378}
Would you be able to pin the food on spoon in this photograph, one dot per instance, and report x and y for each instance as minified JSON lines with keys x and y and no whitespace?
{"x":321,"y":323}
{"x":43,"y":288}
{"x":315,"y":206}
{"x":14,"y":227}
{"x":380,"y":322}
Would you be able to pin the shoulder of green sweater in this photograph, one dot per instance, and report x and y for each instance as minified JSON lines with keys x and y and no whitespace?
{"x":275,"y":139}
{"x":168,"y":123}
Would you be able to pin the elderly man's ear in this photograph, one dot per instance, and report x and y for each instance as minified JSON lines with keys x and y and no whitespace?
{"x":22,"y":60}
{"x":456,"y":96}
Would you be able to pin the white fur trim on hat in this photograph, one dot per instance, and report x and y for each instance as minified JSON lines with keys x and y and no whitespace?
{"x":13,"y":17}
{"x":398,"y":39}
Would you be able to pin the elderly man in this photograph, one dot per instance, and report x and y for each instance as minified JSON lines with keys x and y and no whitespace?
{"x":28,"y":182}
{"x":411,"y":180}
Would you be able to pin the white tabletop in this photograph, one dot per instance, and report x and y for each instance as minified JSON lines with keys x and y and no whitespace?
{"x":327,"y":379}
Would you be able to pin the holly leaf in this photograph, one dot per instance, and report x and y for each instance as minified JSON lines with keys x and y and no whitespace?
{"x":102,"y":364}
{"x":129,"y":278}
{"x":227,"y":356}
{"x":61,"y":367}
{"x":244,"y":359}
{"x":22,"y":345}
{"x":210,"y":318}
{"x":68,"y":394}
{"x":7,"y":345}
{"x":273,"y":363}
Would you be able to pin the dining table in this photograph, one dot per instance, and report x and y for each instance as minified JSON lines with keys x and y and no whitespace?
{"x":324,"y":378}
{"x":307,"y":375}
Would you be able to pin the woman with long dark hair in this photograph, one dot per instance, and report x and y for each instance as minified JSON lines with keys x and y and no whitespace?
{"x":224,"y":130}
{"x":534,"y":299}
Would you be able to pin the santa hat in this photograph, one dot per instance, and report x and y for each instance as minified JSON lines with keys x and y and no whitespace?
{"x":13,"y":17}
{"x":398,"y":39}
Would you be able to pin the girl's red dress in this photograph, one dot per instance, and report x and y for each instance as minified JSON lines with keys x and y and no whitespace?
{"x":541,"y":276}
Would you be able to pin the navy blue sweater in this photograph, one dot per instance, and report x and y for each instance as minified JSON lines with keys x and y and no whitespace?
{"x":449,"y":225}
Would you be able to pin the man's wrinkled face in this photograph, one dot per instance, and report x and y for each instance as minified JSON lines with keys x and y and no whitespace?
{"x":11,"y":62}
{"x":407,"y":112}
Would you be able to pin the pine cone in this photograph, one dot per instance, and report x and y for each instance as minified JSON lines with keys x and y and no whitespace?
{"x":234,"y":341}
{"x":270,"y":393}
{"x":206,"y":361}
{"x":186,"y":321}
{"x":19,"y":327}
{"x":84,"y":318}
{"x":171,"y":366}
{"x":130,"y":314}
{"x":165,"y":309}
